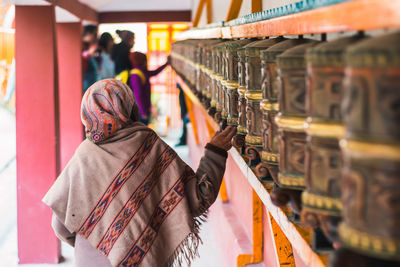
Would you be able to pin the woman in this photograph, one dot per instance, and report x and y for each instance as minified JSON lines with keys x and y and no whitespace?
{"x":126,"y":198}
{"x":121,"y":51}
{"x":106,"y":66}
{"x":140,"y":83}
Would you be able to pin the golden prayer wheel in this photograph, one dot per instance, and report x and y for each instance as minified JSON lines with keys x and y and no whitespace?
{"x":230,"y":83}
{"x":253,"y":97}
{"x":269,"y":165}
{"x":291,"y":119}
{"x":323,"y":178}
{"x":371,"y":148}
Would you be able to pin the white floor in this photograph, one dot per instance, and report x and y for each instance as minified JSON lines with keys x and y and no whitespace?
{"x":8,"y":203}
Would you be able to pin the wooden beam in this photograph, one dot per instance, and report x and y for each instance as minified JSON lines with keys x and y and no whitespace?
{"x":209,"y":11}
{"x":256,"y":6}
{"x":82,"y":11}
{"x":199,"y":11}
{"x":234,"y":9}
{"x":327,"y":19}
{"x":145,"y":16}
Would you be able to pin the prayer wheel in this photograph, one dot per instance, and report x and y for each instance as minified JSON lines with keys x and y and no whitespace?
{"x":239,"y":139}
{"x":253,"y":97}
{"x":269,"y":106}
{"x":206,"y":69}
{"x":230,"y":110}
{"x":371,"y":149}
{"x":325,"y":72}
{"x":220,"y":114}
{"x":216,"y":76}
{"x":290,"y":121}
{"x":197,"y":70}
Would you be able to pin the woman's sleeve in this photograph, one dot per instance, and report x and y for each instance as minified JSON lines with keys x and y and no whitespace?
{"x":203,"y":191}
{"x":62,"y":232}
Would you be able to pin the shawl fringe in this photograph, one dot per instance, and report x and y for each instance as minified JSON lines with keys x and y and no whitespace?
{"x":187,"y":250}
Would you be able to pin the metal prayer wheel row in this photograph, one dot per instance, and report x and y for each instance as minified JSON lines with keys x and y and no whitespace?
{"x":321,"y":120}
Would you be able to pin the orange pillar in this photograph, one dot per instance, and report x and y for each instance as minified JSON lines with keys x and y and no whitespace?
{"x":37,"y":131}
{"x":69,"y":46}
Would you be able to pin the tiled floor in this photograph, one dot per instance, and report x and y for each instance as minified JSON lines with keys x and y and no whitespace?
{"x":8,"y":225}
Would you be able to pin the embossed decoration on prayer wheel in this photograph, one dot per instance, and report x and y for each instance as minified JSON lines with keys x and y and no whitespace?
{"x":206,"y":70}
{"x":254,"y":97}
{"x":371,"y":148}
{"x":239,"y":139}
{"x":216,"y":77}
{"x":270,"y":107}
{"x":325,"y":73}
{"x":220,"y":114}
{"x":292,"y":116}
{"x":190,"y":58}
{"x":230,"y":111}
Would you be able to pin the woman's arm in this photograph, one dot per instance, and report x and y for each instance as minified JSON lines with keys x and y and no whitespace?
{"x":157,"y":71}
{"x":203,"y":191}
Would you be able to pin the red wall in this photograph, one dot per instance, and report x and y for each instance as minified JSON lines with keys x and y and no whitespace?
{"x":37,"y":131}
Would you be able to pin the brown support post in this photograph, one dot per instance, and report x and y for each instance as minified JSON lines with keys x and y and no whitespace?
{"x":37,"y":131}
{"x":209,"y":11}
{"x":256,"y":6}
{"x":199,"y":11}
{"x":70,"y":87}
{"x":234,"y":9}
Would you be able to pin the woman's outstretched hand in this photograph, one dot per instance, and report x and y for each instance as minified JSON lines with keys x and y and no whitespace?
{"x":223,"y":139}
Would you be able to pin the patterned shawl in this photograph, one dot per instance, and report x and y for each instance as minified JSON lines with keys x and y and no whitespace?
{"x":124,"y":188}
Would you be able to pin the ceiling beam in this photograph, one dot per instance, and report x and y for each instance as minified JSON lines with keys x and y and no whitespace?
{"x":82,"y":11}
{"x":145,"y":16}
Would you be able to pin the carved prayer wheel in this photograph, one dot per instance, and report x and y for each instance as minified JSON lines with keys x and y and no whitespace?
{"x":220,"y":115}
{"x":239,"y":139}
{"x":216,"y":80}
{"x":270,"y":107}
{"x":325,"y":72}
{"x":371,"y":148}
{"x":254,"y":97}
{"x":206,"y":70}
{"x":229,"y":94}
{"x":291,"y":119}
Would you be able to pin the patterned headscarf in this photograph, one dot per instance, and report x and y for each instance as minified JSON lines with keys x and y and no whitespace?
{"x":106,"y":107}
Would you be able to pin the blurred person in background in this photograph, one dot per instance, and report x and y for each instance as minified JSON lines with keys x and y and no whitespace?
{"x":120,"y":52}
{"x":139,"y":81}
{"x":106,"y":64}
{"x":184,"y":116}
{"x":90,"y":66}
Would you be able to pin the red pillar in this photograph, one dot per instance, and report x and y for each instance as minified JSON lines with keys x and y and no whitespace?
{"x":37,"y":131}
{"x":69,"y":46}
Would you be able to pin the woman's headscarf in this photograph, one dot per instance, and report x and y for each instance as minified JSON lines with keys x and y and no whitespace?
{"x":107,"y":106}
